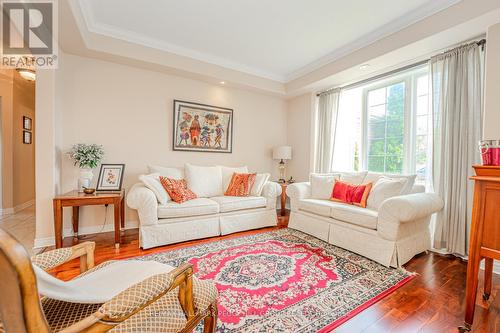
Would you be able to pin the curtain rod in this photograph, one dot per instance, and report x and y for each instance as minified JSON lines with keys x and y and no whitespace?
{"x":481,"y":43}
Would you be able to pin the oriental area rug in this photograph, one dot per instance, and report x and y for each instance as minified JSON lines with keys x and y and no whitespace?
{"x":286,"y":281}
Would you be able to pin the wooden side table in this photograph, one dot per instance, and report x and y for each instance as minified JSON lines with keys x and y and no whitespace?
{"x":76,"y":199}
{"x":283,"y":198}
{"x":484,"y":236}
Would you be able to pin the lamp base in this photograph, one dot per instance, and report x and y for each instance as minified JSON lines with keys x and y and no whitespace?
{"x":282,"y":170}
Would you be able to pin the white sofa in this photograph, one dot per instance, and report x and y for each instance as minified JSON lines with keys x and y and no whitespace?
{"x":211,"y":214}
{"x":390,"y":235}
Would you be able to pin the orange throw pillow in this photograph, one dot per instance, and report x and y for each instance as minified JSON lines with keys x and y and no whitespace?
{"x":177,"y":189}
{"x":351,"y":193}
{"x":241,"y":184}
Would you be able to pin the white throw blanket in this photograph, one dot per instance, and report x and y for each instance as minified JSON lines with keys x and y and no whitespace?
{"x":101,"y":285}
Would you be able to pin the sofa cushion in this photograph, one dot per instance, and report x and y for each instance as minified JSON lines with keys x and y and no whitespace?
{"x":227,"y":174}
{"x":384,"y":189}
{"x":316,"y":206}
{"x":260,"y":181}
{"x":152,"y":181}
{"x":195,"y":207}
{"x":205,"y":181}
{"x":407,"y":189}
{"x":229,"y":204}
{"x":322,"y":185}
{"x":175,"y":173}
{"x":241,"y":184}
{"x":362,"y":217}
{"x":353,"y":177}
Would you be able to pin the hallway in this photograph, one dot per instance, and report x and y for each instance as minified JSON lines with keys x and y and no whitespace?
{"x":22,"y":226}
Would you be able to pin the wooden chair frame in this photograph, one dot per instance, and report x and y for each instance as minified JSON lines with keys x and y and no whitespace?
{"x":21,"y":310}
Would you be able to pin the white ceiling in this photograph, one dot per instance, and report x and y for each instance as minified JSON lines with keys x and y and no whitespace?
{"x":278,"y":39}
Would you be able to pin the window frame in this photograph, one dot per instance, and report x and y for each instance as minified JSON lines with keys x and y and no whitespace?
{"x":410,"y":80}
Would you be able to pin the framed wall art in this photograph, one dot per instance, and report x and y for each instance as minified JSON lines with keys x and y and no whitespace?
{"x":202,"y":127}
{"x":27,"y":137}
{"x":27,"y":123}
{"x":110,"y":177}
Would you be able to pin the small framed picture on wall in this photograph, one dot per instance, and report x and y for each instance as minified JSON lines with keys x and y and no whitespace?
{"x":27,"y":137}
{"x":27,"y":123}
{"x":110,"y":177}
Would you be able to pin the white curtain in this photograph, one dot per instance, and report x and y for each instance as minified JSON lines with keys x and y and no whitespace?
{"x":326,"y":123}
{"x":457,"y":90}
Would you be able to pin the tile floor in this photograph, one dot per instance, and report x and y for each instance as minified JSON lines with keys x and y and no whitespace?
{"x":21,"y":225}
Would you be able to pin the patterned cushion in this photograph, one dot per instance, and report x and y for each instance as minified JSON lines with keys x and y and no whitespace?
{"x":164,"y":315}
{"x":61,"y":314}
{"x":177,"y":189}
{"x":51,"y":259}
{"x":351,"y":193}
{"x":241,"y":184}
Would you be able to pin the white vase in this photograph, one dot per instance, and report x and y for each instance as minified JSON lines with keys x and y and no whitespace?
{"x":85,"y":178}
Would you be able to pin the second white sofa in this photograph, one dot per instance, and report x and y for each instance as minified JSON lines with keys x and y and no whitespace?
{"x":211,"y":214}
{"x":390,"y":234}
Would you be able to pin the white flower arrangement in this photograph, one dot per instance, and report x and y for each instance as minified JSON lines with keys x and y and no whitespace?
{"x":86,"y":155}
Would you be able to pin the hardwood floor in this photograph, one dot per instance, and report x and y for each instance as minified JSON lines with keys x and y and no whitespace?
{"x":432,"y":302}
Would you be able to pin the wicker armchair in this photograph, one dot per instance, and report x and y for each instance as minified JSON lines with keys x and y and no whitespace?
{"x":169,"y":302}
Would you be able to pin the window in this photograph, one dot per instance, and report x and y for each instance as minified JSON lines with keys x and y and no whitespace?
{"x":385,"y":122}
{"x":383,"y":126}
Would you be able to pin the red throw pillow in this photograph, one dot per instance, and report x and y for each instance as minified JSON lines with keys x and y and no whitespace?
{"x":177,"y":189}
{"x":241,"y":184}
{"x":351,"y":193}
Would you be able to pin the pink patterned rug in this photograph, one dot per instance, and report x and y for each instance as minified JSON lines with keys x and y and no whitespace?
{"x":286,"y":281}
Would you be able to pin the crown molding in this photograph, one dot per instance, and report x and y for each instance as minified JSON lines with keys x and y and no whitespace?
{"x":136,"y":38}
{"x":92,"y":26}
{"x":424,"y":11}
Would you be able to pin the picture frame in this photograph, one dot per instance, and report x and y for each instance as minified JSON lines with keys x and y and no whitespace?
{"x":27,"y":123}
{"x":110,"y":178}
{"x":27,"y":137}
{"x":202,"y":128}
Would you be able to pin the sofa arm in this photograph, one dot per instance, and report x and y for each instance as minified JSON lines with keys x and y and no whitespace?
{"x":271,"y":191}
{"x":404,"y":209}
{"x":296,"y":192}
{"x":144,"y":200}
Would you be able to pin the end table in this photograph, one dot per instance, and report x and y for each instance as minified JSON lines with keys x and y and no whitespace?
{"x":77,"y":199}
{"x":283,"y":198}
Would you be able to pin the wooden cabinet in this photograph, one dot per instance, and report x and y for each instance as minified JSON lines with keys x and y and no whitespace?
{"x":484,"y":236}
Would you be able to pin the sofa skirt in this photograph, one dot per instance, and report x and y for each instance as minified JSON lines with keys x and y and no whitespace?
{"x":170,"y":231}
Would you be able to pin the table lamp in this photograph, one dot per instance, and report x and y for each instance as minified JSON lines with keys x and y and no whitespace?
{"x":282,"y":153}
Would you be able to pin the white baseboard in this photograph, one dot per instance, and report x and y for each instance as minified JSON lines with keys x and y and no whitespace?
{"x":18,"y":208}
{"x":68,"y":232}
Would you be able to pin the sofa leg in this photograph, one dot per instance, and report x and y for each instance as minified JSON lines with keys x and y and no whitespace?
{"x":210,"y":321}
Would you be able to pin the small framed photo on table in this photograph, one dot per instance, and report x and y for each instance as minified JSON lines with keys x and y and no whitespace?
{"x":110,"y":177}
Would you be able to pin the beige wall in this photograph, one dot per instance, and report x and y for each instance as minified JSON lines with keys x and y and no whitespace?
{"x":18,"y":159}
{"x":492,"y":85}
{"x":6,"y":88}
{"x":129,"y":111}
{"x":299,"y":128}
{"x":23,"y":154}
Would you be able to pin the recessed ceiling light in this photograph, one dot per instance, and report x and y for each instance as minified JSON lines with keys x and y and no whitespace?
{"x":364,"y":66}
{"x":222,"y":82}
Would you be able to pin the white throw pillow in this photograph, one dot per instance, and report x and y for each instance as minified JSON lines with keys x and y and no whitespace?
{"x":384,"y":189}
{"x":353,"y":177}
{"x":174,"y":173}
{"x":260,"y":180}
{"x":227,"y":174}
{"x":322,"y":185}
{"x":152,"y":181}
{"x":205,"y":181}
{"x":407,"y":189}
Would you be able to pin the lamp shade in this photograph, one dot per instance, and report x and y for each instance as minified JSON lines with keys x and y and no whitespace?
{"x":282,"y":153}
